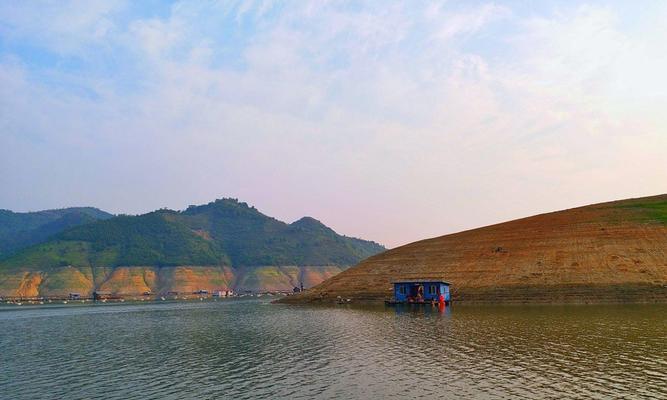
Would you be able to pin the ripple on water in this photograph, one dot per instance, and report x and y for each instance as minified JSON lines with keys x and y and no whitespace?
{"x":249,"y":349}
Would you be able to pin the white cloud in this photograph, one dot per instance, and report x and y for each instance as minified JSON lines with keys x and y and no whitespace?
{"x":393,"y":122}
{"x":64,"y":26}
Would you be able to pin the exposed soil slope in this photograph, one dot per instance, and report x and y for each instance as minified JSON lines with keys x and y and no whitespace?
{"x":135,"y":280}
{"x":610,"y":252}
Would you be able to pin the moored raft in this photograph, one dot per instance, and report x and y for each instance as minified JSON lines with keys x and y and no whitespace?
{"x":420,"y":291}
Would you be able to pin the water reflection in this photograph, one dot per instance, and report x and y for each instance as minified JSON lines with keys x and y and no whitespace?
{"x":418,"y":309}
{"x":252,"y":349}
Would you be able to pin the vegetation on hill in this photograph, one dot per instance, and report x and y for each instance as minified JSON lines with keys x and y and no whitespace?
{"x":251,"y":238}
{"x":20,"y":230}
{"x":651,"y":209}
{"x":224,"y":232}
{"x":156,"y":238}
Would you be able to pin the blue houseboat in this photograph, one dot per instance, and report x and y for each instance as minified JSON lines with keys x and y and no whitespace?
{"x":420,"y":291}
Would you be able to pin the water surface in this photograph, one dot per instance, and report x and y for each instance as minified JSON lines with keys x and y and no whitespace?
{"x":253,"y":349}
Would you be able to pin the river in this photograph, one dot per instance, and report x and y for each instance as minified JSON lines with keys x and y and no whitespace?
{"x":251,"y":349}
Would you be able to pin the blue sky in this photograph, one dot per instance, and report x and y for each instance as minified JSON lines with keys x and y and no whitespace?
{"x":392,"y":121}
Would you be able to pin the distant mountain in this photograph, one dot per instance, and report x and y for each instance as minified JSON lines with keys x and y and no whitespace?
{"x":20,"y":230}
{"x":250,"y":238}
{"x":168,"y":250}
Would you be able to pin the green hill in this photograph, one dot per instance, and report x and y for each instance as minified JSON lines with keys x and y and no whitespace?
{"x":251,"y":238}
{"x":222,"y":234}
{"x":20,"y":230}
{"x":156,"y":238}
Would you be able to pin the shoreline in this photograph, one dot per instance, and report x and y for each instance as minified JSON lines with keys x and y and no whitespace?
{"x":17,"y":300}
{"x":519,"y":295}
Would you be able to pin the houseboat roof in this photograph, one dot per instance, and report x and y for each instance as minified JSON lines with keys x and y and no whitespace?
{"x":425,"y":280}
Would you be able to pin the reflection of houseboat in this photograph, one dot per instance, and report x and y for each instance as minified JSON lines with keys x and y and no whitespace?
{"x":420,"y":291}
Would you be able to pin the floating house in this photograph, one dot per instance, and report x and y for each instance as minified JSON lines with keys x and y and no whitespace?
{"x":420,"y":291}
{"x":74,"y":296}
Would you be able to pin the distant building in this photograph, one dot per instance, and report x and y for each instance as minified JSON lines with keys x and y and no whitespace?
{"x":298,"y":289}
{"x":101,"y":295}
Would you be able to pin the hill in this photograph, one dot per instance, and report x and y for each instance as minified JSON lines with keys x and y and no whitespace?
{"x":222,"y":245}
{"x":20,"y":230}
{"x":610,"y":252}
{"x":250,"y":238}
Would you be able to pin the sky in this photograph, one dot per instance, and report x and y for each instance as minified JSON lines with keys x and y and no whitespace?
{"x":390,"y":121}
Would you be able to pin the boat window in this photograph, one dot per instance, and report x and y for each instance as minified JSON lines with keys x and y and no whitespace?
{"x":401,"y":289}
{"x":431,"y":289}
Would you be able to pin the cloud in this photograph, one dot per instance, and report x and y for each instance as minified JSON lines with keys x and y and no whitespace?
{"x":64,"y":26}
{"x":391,"y":121}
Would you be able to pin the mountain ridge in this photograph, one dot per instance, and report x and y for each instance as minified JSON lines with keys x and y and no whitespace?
{"x":22,"y":229}
{"x":224,"y":239}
